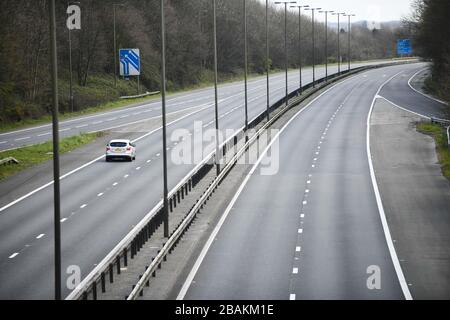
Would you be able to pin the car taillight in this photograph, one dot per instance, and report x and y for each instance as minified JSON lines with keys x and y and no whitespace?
{"x":129,"y":149}
{"x":108,"y":148}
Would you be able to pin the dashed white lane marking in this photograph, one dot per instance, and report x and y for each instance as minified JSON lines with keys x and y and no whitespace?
{"x":83,"y":206}
{"x":3,"y":142}
{"x":126,"y":176}
{"x":292,"y":297}
{"x":125,"y":116}
{"x":305,"y":202}
{"x":97,"y":122}
{"x":148,"y":161}
{"x":64,"y":130}
{"x":115,"y":184}
{"x":20,"y":139}
{"x":298,"y":249}
{"x":13,"y":255}
{"x":44,"y":134}
{"x":307,"y":191}
{"x":158,"y":154}
{"x":100,"y":194}
{"x":40,"y":236}
{"x":313,"y":166}
{"x":63,"y":220}
{"x":300,"y":230}
{"x":295,"y":270}
{"x":302,"y":215}
{"x":308,"y":182}
{"x":82,"y":126}
{"x":138,"y":168}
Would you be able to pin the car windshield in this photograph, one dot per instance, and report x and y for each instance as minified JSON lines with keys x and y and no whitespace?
{"x":118,"y":144}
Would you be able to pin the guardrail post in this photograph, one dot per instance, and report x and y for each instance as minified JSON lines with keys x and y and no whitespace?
{"x":103,"y":282}
{"x":170,"y":205}
{"x":111,"y":273}
{"x":125,"y":257}
{"x":118,"y":264}
{"x":94,"y":290}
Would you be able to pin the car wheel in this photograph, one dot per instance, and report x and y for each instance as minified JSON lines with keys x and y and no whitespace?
{"x":107,"y":159}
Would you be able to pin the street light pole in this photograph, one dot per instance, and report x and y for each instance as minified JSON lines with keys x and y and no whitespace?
{"x":313,"y":44}
{"x":163,"y":96}
{"x":338,"y":14}
{"x":267,"y":59}
{"x":245,"y":64}
{"x":70,"y":65}
{"x":349,"y":39}
{"x":115,"y":42}
{"x":326,"y":42}
{"x":300,"y":42}
{"x":56,"y":185}
{"x":285,"y":45}
{"x":216,"y":98}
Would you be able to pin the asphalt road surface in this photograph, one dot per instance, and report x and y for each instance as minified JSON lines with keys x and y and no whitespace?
{"x":230,"y":93}
{"x":313,"y":230}
{"x":103,"y":201}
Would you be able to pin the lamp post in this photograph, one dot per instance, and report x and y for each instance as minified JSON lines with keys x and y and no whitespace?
{"x":115,"y":40}
{"x":285,"y":45}
{"x":338,"y":14}
{"x":313,"y":44}
{"x":55,"y":129}
{"x":300,"y":41}
{"x":245,"y":64}
{"x":267,"y":60}
{"x":216,"y":98}
{"x":326,"y":42}
{"x":349,"y":38}
{"x":70,"y":64}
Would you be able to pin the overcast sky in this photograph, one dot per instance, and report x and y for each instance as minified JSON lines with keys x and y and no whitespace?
{"x":372,"y":10}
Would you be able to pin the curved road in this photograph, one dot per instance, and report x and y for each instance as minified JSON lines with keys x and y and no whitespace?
{"x":320,"y":233}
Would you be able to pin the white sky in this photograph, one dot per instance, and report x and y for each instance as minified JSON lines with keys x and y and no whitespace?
{"x":372,"y":10}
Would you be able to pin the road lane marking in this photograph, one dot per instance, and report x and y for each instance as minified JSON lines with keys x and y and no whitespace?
{"x":83,"y":206}
{"x":387,"y":233}
{"x":298,"y":249}
{"x":295,"y":270}
{"x":40,"y":236}
{"x":82,"y":126}
{"x":3,"y":142}
{"x":148,"y":161}
{"x":300,"y":231}
{"x":292,"y":297}
{"x":126,"y":176}
{"x":13,"y":255}
{"x":216,"y":230}
{"x":64,"y":130}
{"x":115,"y":184}
{"x":302,"y":215}
{"x":422,"y":93}
{"x":63,"y":220}
{"x":100,"y":194}
{"x":20,"y":139}
{"x":44,"y":134}
{"x":138,"y":168}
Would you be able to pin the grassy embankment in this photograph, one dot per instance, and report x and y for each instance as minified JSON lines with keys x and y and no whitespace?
{"x":440,"y":137}
{"x":34,"y":155}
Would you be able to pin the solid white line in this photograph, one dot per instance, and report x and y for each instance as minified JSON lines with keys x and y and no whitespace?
{"x":404,"y":109}
{"x":387,"y":233}
{"x":40,"y":236}
{"x":422,"y":93}
{"x":13,"y":255}
{"x":216,"y":230}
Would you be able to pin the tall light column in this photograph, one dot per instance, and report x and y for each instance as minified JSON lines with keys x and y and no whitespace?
{"x":300,"y":42}
{"x":313,"y":44}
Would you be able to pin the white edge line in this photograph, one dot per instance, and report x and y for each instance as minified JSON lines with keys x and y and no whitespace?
{"x":387,"y":233}
{"x":216,"y":230}
{"x":422,"y":93}
{"x":404,"y":109}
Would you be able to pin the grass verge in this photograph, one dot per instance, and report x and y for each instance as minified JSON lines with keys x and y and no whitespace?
{"x":440,"y":137}
{"x":34,"y":155}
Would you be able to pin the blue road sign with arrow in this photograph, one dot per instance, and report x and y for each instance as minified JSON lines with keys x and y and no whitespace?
{"x":130,"y":62}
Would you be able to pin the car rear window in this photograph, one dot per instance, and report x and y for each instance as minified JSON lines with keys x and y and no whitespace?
{"x":118,"y":144}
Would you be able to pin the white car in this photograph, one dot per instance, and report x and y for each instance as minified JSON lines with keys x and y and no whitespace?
{"x":120,"y":149}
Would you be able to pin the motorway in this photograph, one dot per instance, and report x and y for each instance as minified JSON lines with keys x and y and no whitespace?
{"x":230,"y":93}
{"x":321,"y":234}
{"x":103,"y":201}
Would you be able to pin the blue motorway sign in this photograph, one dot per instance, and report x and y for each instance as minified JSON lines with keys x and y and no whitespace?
{"x":404,"y":47}
{"x":130,"y":62}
